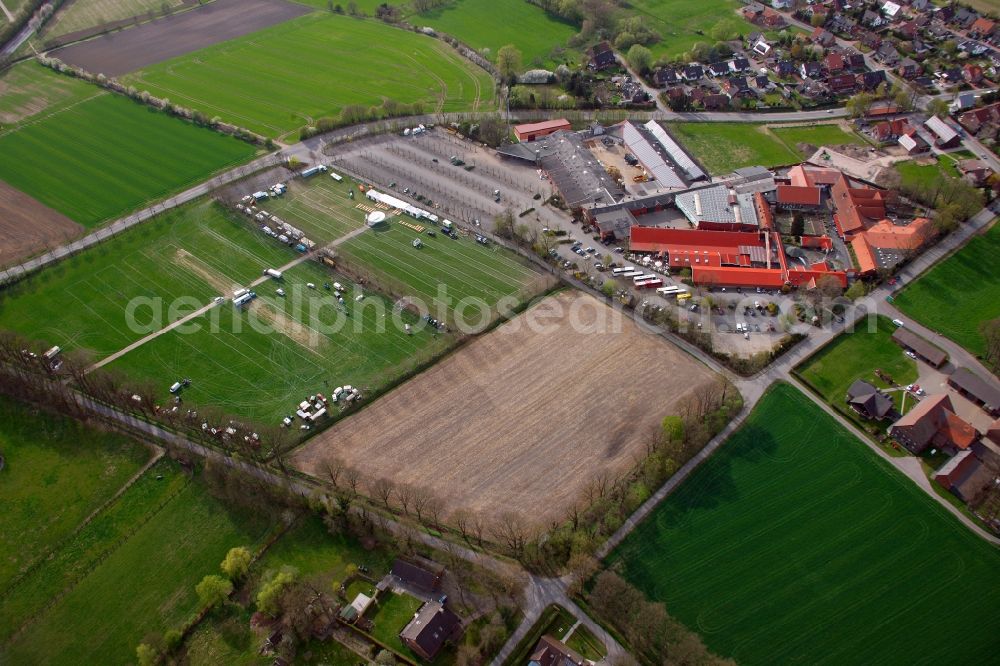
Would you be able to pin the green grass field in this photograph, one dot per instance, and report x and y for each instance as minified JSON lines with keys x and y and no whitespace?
{"x":960,"y":293}
{"x":56,"y":473}
{"x":30,"y":89}
{"x":265,"y":372}
{"x":816,"y":135}
{"x":794,"y":543}
{"x":279,"y":79}
{"x":850,"y":356}
{"x":108,"y":155}
{"x":487,"y":24}
{"x":82,"y":15}
{"x":679,"y":22}
{"x":926,"y":175}
{"x":722,"y":147}
{"x":391,"y":615}
{"x":145,"y":585}
{"x":82,"y":302}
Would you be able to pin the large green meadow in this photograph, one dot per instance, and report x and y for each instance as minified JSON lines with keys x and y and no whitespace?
{"x":795,"y":543}
{"x":683,"y":23}
{"x":108,"y":155}
{"x":486,"y":25}
{"x":30,"y":89}
{"x":816,"y":135}
{"x":83,"y":302}
{"x":56,"y":472}
{"x":959,"y":294}
{"x":282,"y":78}
{"x":722,"y":147}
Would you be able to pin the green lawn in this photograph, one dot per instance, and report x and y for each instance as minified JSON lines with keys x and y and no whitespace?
{"x":490,"y":24}
{"x":680,"y":21}
{"x":722,"y":147}
{"x":960,"y":293}
{"x":76,"y":556}
{"x":393,"y":613}
{"x":926,"y":175}
{"x":816,"y":135}
{"x":587,"y":644}
{"x":145,"y":586}
{"x":30,"y":89}
{"x":56,"y":473}
{"x":794,"y":543}
{"x":108,"y":155}
{"x":82,"y":302}
{"x":279,"y":79}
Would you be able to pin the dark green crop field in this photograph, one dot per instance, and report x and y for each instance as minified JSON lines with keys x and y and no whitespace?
{"x":794,"y":543}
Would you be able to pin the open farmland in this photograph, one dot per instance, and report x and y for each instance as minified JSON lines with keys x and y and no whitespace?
{"x":28,"y":227}
{"x":486,"y":25}
{"x":960,"y":293}
{"x":28,"y":88}
{"x":518,"y":401}
{"x":56,"y":472}
{"x":82,"y":14}
{"x":279,"y":79}
{"x":196,"y":251}
{"x":109,"y":155}
{"x":794,"y":543}
{"x":722,"y":147}
{"x":683,"y":23}
{"x":143,"y":585}
{"x":128,"y":50}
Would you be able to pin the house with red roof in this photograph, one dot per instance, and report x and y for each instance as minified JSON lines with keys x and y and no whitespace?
{"x":982,"y":28}
{"x":796,"y":197}
{"x":933,"y":421}
{"x":532,"y":131}
{"x":972,"y":73}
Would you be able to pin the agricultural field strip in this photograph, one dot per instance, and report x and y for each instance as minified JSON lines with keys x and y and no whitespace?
{"x":40,"y":117}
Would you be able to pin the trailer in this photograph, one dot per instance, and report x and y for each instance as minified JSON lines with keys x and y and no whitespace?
{"x":272,"y":273}
{"x":336,"y":176}
{"x":240,"y":292}
{"x":313,"y":170}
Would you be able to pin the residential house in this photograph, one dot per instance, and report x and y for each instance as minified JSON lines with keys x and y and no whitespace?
{"x":913,"y":143}
{"x":602,"y":56}
{"x":739,"y":65}
{"x":909,"y":68}
{"x":716,"y":102}
{"x":870,"y":39}
{"x":784,"y":69}
{"x":783,"y":4}
{"x":693,"y":72}
{"x":944,"y":136}
{"x":963,"y":102}
{"x":982,"y":28}
{"x":933,"y":421}
{"x":843,"y":25}
{"x":551,"y":652}
{"x":772,"y":19}
{"x":953,"y":76}
{"x":974,"y":171}
{"x":834,"y":63}
{"x":431,"y":627}
{"x":868,"y":401}
{"x":824,"y":38}
{"x":854,"y":62}
{"x":842,"y":83}
{"x":737,"y":87}
{"x":872,"y":80}
{"x":762,"y":83}
{"x":760,"y":45}
{"x":908,"y":29}
{"x":890,"y":130}
{"x":964,"y":17}
{"x":981,"y":392}
{"x":798,"y":197}
{"x":921,"y":5}
{"x":811,"y":70}
{"x":424,"y":578}
{"x":666,"y":76}
{"x":976,"y":120}
{"x":887,"y":54}
{"x":718,"y":69}
{"x":873,"y":20}
{"x":972,"y":73}
{"x":891,"y":10}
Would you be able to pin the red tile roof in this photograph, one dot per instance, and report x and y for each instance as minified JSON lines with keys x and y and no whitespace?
{"x":885,"y":234}
{"x":543,"y":126}
{"x":798,"y":195}
{"x":863,"y":253}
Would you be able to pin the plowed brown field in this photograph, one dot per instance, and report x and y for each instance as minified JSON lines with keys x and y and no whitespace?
{"x":522,"y":418}
{"x":27,"y":226}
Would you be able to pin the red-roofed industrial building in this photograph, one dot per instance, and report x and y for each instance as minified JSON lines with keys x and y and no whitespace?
{"x":727,"y":258}
{"x":798,"y":197}
{"x":532,"y":131}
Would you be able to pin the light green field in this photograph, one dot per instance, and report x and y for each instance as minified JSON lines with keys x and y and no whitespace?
{"x":279,"y":79}
{"x":794,"y":543}
{"x":816,"y":135}
{"x":56,"y":473}
{"x":263,"y":370}
{"x":29,"y":89}
{"x":960,"y":293}
{"x":82,"y":302}
{"x":679,"y":21}
{"x":91,"y":13}
{"x":926,"y":175}
{"x":722,"y":147}
{"x":146,"y":585}
{"x":490,"y":24}
{"x":393,"y":613}
{"x":108,"y":155}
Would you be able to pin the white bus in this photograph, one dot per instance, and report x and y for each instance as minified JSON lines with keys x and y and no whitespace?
{"x":632,"y":273}
{"x":644,"y":277}
{"x":668,"y":291}
{"x":621,"y":269}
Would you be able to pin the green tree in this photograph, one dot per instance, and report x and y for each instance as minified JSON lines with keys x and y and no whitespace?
{"x":937,"y":107}
{"x":859,"y":105}
{"x":673,"y":428}
{"x":817,"y":20}
{"x":270,"y":592}
{"x":237,"y":563}
{"x":508,"y":61}
{"x":213,"y":590}
{"x":639,"y":58}
{"x":146,"y":655}
{"x":856,"y":290}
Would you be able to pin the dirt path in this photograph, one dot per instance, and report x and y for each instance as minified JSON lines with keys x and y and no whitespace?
{"x":10,"y":17}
